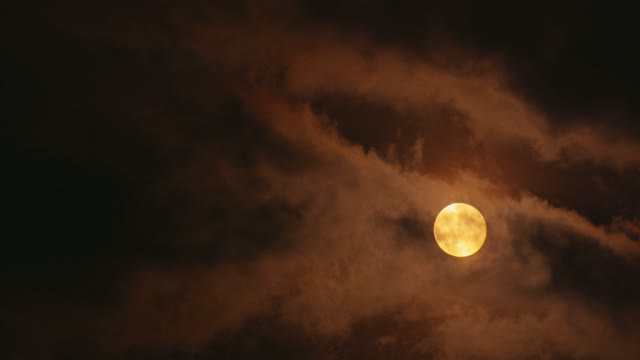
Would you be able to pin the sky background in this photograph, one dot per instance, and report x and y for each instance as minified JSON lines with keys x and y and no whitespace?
{"x":259,"y":179}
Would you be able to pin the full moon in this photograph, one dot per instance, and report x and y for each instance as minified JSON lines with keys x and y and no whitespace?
{"x":460,"y":230}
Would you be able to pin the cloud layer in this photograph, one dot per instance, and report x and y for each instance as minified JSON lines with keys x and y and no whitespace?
{"x":243,"y":181}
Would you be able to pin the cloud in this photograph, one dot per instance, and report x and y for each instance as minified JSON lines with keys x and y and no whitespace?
{"x":492,"y":112}
{"x":276,"y":196}
{"x":350,"y":260}
{"x":316,"y":62}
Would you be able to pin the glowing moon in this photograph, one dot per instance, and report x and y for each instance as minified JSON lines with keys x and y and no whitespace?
{"x":460,"y":230}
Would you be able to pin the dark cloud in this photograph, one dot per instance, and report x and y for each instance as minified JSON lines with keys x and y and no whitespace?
{"x":244,"y":180}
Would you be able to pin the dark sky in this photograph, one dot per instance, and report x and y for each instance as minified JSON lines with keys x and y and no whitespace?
{"x":259,"y":180}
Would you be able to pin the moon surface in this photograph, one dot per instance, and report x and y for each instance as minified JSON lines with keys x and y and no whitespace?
{"x":460,"y":230}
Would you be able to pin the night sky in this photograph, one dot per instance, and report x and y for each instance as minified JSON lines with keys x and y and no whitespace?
{"x":259,"y":180}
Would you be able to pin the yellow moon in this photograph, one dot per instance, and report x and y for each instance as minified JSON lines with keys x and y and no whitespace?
{"x":460,"y":230}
